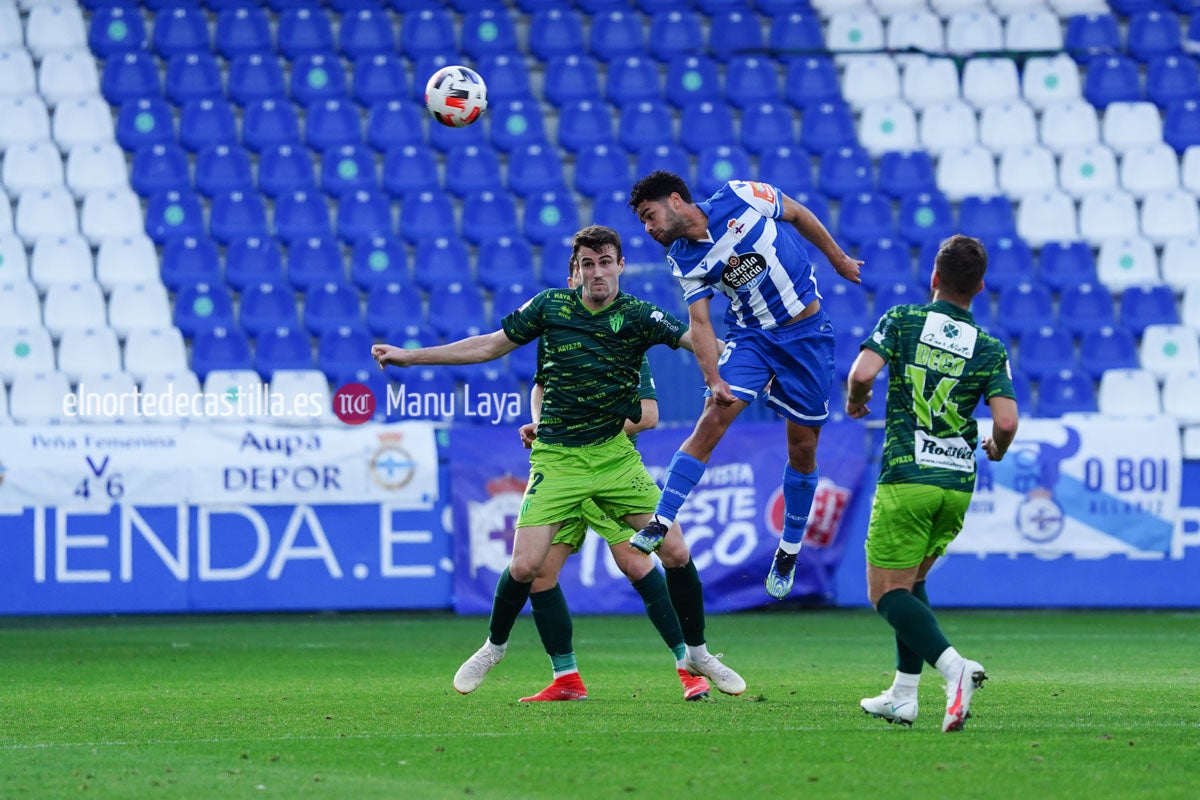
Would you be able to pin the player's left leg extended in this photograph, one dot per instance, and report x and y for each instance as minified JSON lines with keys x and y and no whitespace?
{"x":553,"y":620}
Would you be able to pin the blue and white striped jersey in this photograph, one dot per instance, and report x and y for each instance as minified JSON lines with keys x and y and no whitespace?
{"x":759,"y":263}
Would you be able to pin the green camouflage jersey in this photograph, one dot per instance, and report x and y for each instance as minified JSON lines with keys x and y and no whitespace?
{"x":590,"y":362}
{"x":939,"y":364}
{"x":645,"y":377}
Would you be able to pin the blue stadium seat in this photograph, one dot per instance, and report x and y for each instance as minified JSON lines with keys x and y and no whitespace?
{"x":827,"y":126}
{"x":675,"y":33}
{"x":255,"y":76}
{"x":242,"y":31}
{"x":656,"y":6}
{"x":507,"y":78}
{"x":329,"y":306}
{"x":1153,"y":34}
{"x":1148,"y":305}
{"x":444,"y":139}
{"x":189,"y":260}
{"x":304,"y":31}
{"x":616,"y":34}
{"x":379,"y":78}
{"x":343,"y":347}
{"x":503,"y":261}
{"x":1089,"y":35}
{"x":925,"y":216}
{"x":1172,"y":78}
{"x":145,"y":122}
{"x":847,"y":304}
{"x":251,"y":261}
{"x":612,"y":210}
{"x":180,"y":29}
{"x":207,"y":122}
{"x":811,"y":80}
{"x":159,"y":168}
{"x":602,"y":168}
{"x":269,"y":123}
{"x":282,"y":347}
{"x":1065,"y":264}
{"x":220,"y":347}
{"x":1112,"y":79}
{"x":534,"y":168}
{"x":488,"y":214}
{"x":1108,"y":348}
{"x":173,"y":214}
{"x":515,"y":123}
{"x":428,"y":32}
{"x":494,"y":381}
{"x":409,"y":169}
{"x":898,"y":294}
{"x":1085,"y":308}
{"x":796,"y":33}
{"x":301,"y":214}
{"x":284,"y":169}
{"x":314,"y":262}
{"x":440,"y":261}
{"x":508,"y":297}
{"x":349,"y":168}
{"x":986,"y":217}
{"x":705,"y":125}
{"x":266,"y":306}
{"x":202,"y":306}
{"x":788,"y":168}
{"x":460,"y":310}
{"x":555,"y":32}
{"x":766,"y":127}
{"x":389,"y":302}
{"x":332,"y":124}
{"x":751,"y":80}
{"x":886,"y":261}
{"x":847,"y":342}
{"x":584,"y":123}
{"x":817,"y":203}
{"x":363,"y":213}
{"x":487,"y":31}
{"x":984,"y":314}
{"x":427,"y":214}
{"x":667,"y":157}
{"x":846,"y":171}
{"x":1026,"y":307}
{"x":734,"y":31}
{"x":632,"y":80}
{"x":366,"y":33}
{"x":378,"y":260}
{"x":237,"y":215}
{"x":864,"y":217}
{"x":130,"y":76}
{"x":318,"y":78}
{"x":194,"y":76}
{"x":550,"y":215}
{"x":116,"y":29}
{"x":692,"y":80}
{"x":1046,"y":351}
{"x":1066,"y":392}
{"x":472,"y":169}
{"x":1181,"y":124}
{"x":570,"y":79}
{"x":720,"y":164}
{"x":395,"y":124}
{"x":927,"y":259}
{"x":906,"y":172}
{"x":642,"y":127}
{"x":1010,"y":261}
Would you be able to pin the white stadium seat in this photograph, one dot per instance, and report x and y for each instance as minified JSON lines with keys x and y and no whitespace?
{"x":1007,"y":124}
{"x":5,"y":419}
{"x":1189,"y":169}
{"x":890,"y":9}
{"x":948,"y":8}
{"x":917,"y":29}
{"x":87,"y":120}
{"x":1127,"y":262}
{"x":126,"y":259}
{"x":974,"y":32}
{"x":55,"y":27}
{"x":20,"y":306}
{"x":1151,"y":168}
{"x":947,"y":126}
{"x":966,"y":171}
{"x":1128,"y":393}
{"x":25,"y":120}
{"x":870,"y":79}
{"x":1087,"y":169}
{"x":1046,"y":217}
{"x":1069,"y":124}
{"x":1181,"y":269}
{"x":96,"y":166}
{"x":1170,"y":214}
{"x":990,"y":80}
{"x":855,"y":29}
{"x":107,"y":397}
{"x":74,"y":305}
{"x":234,"y":384}
{"x":88,"y":350}
{"x":1191,"y":442}
{"x":292,"y":385}
{"x":24,"y":351}
{"x":1046,"y":81}
{"x":61,"y":259}
{"x":138,"y":305}
{"x":33,"y":165}
{"x":1033,"y":28}
{"x":46,"y":212}
{"x":16,"y":73}
{"x":153,"y":351}
{"x":1169,"y":348}
{"x":1106,"y":215}
{"x":110,"y":212}
{"x":14,"y":264}
{"x":1129,"y":125}
{"x":12,"y":33}
{"x":38,"y":397}
{"x":1074,"y":8}
{"x":166,"y":387}
{"x":1179,"y":393}
{"x":928,"y":81}
{"x":885,"y":127}
{"x":68,"y":75}
{"x":1190,"y":312}
{"x":1010,"y":8}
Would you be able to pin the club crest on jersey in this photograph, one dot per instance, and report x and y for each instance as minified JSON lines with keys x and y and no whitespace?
{"x":946,"y":333}
{"x":744,"y":271}
{"x":616,"y":321}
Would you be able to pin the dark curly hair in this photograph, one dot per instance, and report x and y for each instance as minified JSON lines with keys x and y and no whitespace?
{"x":658,"y":185}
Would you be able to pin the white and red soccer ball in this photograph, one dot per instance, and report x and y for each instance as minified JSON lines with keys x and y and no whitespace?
{"x":456,"y":96}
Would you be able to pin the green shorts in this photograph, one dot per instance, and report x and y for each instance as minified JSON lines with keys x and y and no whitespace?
{"x":613,"y":531}
{"x":911,"y":521}
{"x":610,"y":474}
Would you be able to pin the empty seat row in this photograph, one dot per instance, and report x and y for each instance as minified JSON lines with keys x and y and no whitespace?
{"x":72,"y":306}
{"x":1051,"y":216}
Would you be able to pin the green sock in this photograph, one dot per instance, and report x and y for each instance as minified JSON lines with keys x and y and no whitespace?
{"x":653,"y":590}
{"x":506,"y":605}
{"x":687,"y":598}
{"x":914,"y":623}
{"x":553,"y":621}
{"x":906,"y":659}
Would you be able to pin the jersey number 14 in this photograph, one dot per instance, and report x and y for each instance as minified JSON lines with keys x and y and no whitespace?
{"x":938,"y":404}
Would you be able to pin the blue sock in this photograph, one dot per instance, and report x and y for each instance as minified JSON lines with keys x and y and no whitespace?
{"x":799,"y":489}
{"x":685,"y":472}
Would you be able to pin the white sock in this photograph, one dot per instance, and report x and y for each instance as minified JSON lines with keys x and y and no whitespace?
{"x":905,"y":683}
{"x":662,"y":520}
{"x":558,"y":673}
{"x":791,"y":548}
{"x":949,"y":663}
{"x":697,"y":652}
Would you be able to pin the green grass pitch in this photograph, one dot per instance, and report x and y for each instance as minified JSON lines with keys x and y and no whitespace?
{"x":1090,"y":705}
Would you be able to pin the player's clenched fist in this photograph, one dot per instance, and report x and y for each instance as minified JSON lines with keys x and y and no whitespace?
{"x":385,"y":354}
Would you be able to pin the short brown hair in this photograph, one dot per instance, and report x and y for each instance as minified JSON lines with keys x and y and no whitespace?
{"x":960,"y":264}
{"x":595,"y":237}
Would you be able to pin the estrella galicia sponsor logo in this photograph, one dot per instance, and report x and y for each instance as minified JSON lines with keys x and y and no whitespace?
{"x":744,"y":271}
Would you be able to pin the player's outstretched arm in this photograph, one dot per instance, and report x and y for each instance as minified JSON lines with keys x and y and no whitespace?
{"x":700,"y":339}
{"x":472,"y":350}
{"x":1004,"y":427}
{"x":814,"y":231}
{"x":859,"y":385}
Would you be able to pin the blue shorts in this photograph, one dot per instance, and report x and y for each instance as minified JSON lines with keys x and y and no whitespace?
{"x":799,"y":357}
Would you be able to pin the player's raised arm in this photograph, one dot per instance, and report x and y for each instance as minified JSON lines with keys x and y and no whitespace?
{"x":814,"y":231}
{"x":472,"y":350}
{"x":702,"y":341}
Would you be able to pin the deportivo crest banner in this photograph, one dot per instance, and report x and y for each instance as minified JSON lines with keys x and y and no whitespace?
{"x":732,"y":521}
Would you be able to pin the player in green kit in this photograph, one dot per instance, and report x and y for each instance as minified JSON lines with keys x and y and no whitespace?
{"x":595,"y":339}
{"x":940,"y":365}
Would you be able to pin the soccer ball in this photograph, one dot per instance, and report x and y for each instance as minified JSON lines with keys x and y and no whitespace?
{"x":456,"y":96}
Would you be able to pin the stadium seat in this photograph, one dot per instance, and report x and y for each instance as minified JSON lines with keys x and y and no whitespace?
{"x":883,"y":127}
{"x":1152,"y":34}
{"x":254,"y":77}
{"x":193,"y":76}
{"x":317,"y":79}
{"x":1089,"y":35}
{"x":1181,"y":268}
{"x":284,"y":169}
{"x":1069,"y":124}
{"x":1179,"y":394}
{"x":14,"y":264}
{"x":1105,"y":215}
{"x":674,"y":34}
{"x":143,"y":122}
{"x":301,"y":215}
{"x":37,"y":398}
{"x":816,"y":203}
{"x":180,"y":30}
{"x":160,"y":168}
{"x":1046,"y":351}
{"x":487,"y":32}
{"x":570,"y":79}
{"x":440,"y":261}
{"x":115,"y":29}
{"x":1064,"y":393}
{"x":266,"y":306}
{"x":987,"y":217}
{"x":1033,"y":29}
{"x":314,"y":261}
{"x":507,"y":78}
{"x":947,"y":126}
{"x":704,"y":125}
{"x":847,"y":304}
{"x":70,"y":306}
{"x":237,"y":215}
{"x":1128,"y":392}
{"x":282,"y":348}
{"x":1127,"y":261}
{"x":202,"y":306}
{"x":929,"y":80}
{"x":190,"y":260}
{"x":987,"y":81}
{"x":1046,"y":81}
{"x":967,"y":170}
{"x":303,"y":31}
{"x":93,"y":166}
{"x":1108,"y":348}
{"x":110,"y":212}
{"x":61,"y":259}
{"x":507,"y":260}
{"x":516,"y":123}
{"x":133,"y":306}
{"x":365,"y":33}
{"x":242,"y":31}
{"x":1112,"y":79}
{"x":846,"y":171}
{"x":45,"y":212}
{"x":154,"y":351}
{"x":786,"y":167}
{"x":734,"y":31}
{"x":897,"y":294}
{"x":269,"y":123}
{"x":203,"y":123}
{"x":332,"y":124}
{"x":668,"y":157}
{"x":68,"y":75}
{"x":534,"y":168}
{"x":583,"y":124}
{"x":376,"y":260}
{"x":1168,"y":349}
{"x":364,"y":213}
{"x":130,"y":76}
{"x":240,"y":386}
{"x":429,"y":32}
{"x":460,"y":311}
{"x":1181,"y":124}
{"x":811,"y":80}
{"x":426,"y":215}
{"x":19,"y":302}
{"x":1170,"y":214}
{"x":35,"y":165}
{"x":890,"y":263}
{"x":854,"y":30}
{"x":88,"y":350}
{"x":389,"y":302}
{"x":1026,"y":307}
{"x":1006,"y":125}
{"x":549,"y":215}
{"x":17,"y":76}
{"x":1010,"y":260}
{"x":26,"y":120}
{"x":1128,"y":125}
{"x":488,"y":215}
{"x":88,"y":121}
{"x":905,"y":172}
{"x":924,"y":217}
{"x":1088,"y":169}
{"x":615,"y":34}
{"x":220,"y":348}
{"x":1170,"y":79}
{"x":601,"y":168}
{"x":378,"y":79}
{"x":25,"y":348}
{"x":916,"y":28}
{"x":1046,"y":217}
{"x":342,"y":348}
{"x":641,"y":127}
{"x":1066,"y":264}
{"x":1086,"y":308}
{"x":556,"y":32}
{"x":632,"y":80}
{"x":409,"y":168}
{"x":394,"y":124}
{"x":1147,"y":305}
{"x":223,"y":168}
{"x":766,"y":127}
{"x":750,"y":81}
{"x":330,"y":305}
{"x":865,"y":217}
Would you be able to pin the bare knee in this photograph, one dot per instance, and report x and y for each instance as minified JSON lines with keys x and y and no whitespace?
{"x":524,"y":569}
{"x":633,"y":563}
{"x":802,"y":447}
{"x":674,"y":552}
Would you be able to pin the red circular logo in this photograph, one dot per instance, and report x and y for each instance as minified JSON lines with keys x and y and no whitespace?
{"x":354,"y":404}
